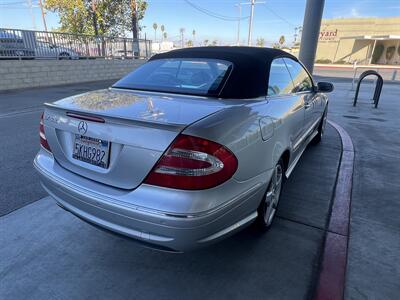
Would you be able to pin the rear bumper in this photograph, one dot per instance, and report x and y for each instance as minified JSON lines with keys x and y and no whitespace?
{"x":162,"y":229}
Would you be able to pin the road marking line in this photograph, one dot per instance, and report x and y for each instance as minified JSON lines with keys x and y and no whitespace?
{"x":22,"y":112}
{"x":331,"y":281}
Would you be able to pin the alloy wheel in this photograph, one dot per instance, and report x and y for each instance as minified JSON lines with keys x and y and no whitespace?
{"x":323,"y":123}
{"x":273,"y":194}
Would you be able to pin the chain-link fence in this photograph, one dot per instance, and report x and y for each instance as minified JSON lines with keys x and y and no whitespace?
{"x":29,"y":44}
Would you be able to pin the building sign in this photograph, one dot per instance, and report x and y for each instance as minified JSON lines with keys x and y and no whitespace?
{"x":328,"y":35}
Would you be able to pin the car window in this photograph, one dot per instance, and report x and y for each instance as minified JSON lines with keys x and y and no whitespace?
{"x":280,"y":82}
{"x":187,"y":76}
{"x":301,"y":79}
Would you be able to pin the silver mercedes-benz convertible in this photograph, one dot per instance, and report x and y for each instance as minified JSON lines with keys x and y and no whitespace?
{"x":187,"y":149}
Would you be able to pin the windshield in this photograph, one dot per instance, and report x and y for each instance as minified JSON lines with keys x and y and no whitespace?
{"x":186,"y":76}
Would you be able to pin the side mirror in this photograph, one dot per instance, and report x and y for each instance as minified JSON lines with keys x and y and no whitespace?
{"x":324,"y":87}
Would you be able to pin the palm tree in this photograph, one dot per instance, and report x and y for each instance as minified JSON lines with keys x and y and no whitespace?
{"x":162,"y":31}
{"x":194,"y":35}
{"x":282,"y":40}
{"x":155,"y":26}
{"x":165,"y":35}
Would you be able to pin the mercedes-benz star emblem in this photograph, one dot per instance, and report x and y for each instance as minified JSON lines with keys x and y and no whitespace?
{"x":82,"y":127}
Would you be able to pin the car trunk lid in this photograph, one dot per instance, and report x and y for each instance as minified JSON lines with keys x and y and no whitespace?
{"x":134,"y":128}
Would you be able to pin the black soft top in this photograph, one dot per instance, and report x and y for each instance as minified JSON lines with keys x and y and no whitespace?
{"x":249,"y":76}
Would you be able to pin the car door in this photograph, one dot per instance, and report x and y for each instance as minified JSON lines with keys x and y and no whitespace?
{"x":286,"y":107}
{"x":42,"y":49}
{"x":304,"y":88}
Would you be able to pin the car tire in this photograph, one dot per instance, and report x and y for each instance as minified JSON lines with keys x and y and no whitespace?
{"x":268,"y":206}
{"x":321,"y":129}
{"x":64,"y":56}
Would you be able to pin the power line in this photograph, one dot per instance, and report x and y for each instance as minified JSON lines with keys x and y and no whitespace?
{"x":279,"y":16}
{"x":12,"y":3}
{"x":213,"y":14}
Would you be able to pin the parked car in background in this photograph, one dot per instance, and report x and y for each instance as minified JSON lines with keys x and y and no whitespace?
{"x":12,"y":45}
{"x":189,"y":148}
{"x":50,"y":50}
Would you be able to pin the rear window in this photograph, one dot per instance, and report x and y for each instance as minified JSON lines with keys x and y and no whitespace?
{"x":203,"y":77}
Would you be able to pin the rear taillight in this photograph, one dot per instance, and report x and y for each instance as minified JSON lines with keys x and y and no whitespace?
{"x":43,"y":140}
{"x":193,"y":163}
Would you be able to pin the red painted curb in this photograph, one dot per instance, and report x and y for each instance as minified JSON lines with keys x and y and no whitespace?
{"x":331,"y":281}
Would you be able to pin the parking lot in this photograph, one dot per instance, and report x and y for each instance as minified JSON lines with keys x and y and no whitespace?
{"x":48,"y":253}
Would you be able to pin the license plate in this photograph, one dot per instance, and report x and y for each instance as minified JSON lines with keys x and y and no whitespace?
{"x":91,"y":150}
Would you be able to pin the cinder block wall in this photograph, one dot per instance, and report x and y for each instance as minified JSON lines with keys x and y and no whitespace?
{"x":15,"y":74}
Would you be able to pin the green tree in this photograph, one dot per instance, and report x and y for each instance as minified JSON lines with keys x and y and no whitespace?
{"x":189,"y":43}
{"x":155,"y":26}
{"x":214,"y":43}
{"x":165,"y":35}
{"x":205,"y":42}
{"x":260,"y":42}
{"x":105,"y":17}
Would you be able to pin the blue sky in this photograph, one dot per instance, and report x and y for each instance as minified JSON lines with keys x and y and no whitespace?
{"x":272,"y":19}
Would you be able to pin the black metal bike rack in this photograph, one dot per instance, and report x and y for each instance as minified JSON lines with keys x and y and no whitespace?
{"x":378,"y":87}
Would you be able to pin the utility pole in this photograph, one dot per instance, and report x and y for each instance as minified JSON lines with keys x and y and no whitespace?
{"x":251,"y":23}
{"x":252,"y":4}
{"x":182,"y":30}
{"x":43,"y":15}
{"x":239,"y":5}
{"x":310,"y":32}
{"x":32,"y":15}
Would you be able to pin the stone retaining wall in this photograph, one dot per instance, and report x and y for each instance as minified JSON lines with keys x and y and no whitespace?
{"x":15,"y":74}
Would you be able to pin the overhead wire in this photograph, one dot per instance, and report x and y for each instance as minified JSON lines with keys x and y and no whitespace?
{"x":213,"y":14}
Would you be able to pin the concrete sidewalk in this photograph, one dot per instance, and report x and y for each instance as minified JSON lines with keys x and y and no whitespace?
{"x":47,"y":253}
{"x":373,"y":269}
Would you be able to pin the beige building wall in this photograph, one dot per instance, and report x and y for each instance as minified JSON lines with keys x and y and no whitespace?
{"x":341,"y":40}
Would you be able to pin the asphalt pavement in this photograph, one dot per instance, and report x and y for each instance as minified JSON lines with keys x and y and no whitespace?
{"x":20,"y":112}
